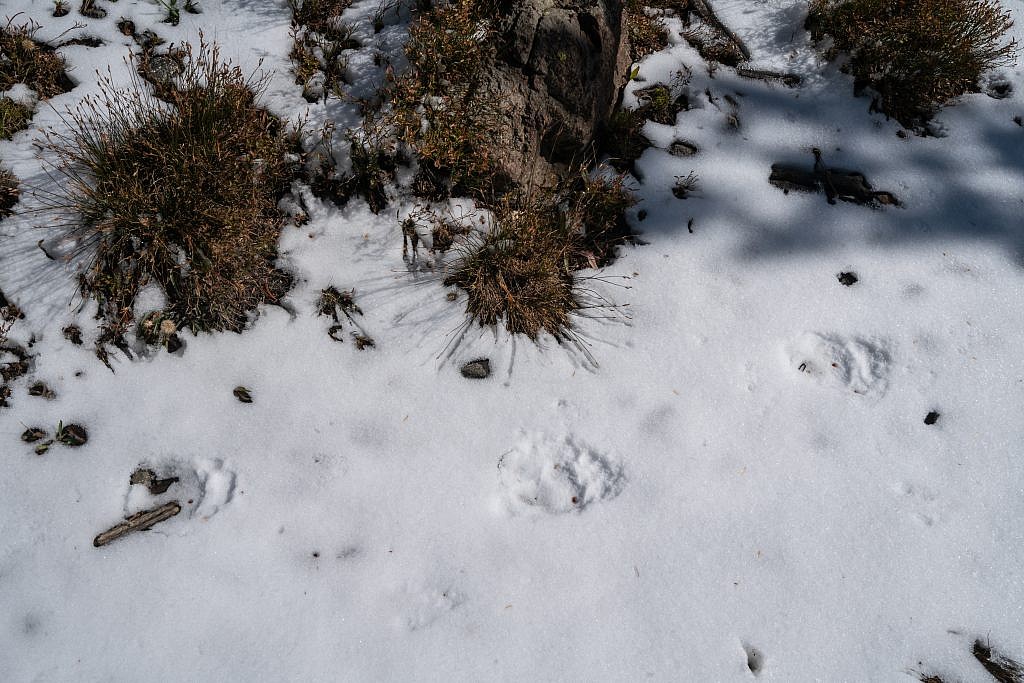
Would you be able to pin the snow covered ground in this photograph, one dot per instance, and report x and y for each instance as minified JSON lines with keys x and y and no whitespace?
{"x":738,"y":483}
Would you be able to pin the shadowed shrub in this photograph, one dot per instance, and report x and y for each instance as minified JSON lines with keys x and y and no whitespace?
{"x":8,"y":192}
{"x":180,"y":194}
{"x":915,"y":54}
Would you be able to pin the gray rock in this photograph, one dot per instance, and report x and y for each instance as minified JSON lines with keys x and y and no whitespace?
{"x":477,"y":369}
{"x":560,"y":68}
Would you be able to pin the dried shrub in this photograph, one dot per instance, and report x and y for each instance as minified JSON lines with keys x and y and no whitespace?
{"x":647,"y":33}
{"x":440,"y":106}
{"x":23,"y":59}
{"x":319,"y":39}
{"x":522,"y":270}
{"x":8,"y":192}
{"x":916,"y":55}
{"x":181,"y":194}
{"x":13,"y":117}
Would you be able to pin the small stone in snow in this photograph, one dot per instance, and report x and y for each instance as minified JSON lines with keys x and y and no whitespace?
{"x":477,"y":369}
{"x":847,"y":279}
{"x":242,"y":394}
{"x":931,"y":418}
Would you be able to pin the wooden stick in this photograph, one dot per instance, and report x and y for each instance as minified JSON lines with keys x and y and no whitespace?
{"x":140,"y":521}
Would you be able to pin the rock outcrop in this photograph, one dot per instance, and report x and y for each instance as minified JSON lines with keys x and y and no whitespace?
{"x":560,"y":68}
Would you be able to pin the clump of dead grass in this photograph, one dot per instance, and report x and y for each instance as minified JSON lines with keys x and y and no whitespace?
{"x":13,"y":117}
{"x":180,"y":194}
{"x":522,"y":270}
{"x":440,"y":106}
{"x":647,"y":32}
{"x":8,"y":192}
{"x":916,"y":55}
{"x":23,"y":59}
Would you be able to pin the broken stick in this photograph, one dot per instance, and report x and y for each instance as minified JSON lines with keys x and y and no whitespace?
{"x":140,"y":521}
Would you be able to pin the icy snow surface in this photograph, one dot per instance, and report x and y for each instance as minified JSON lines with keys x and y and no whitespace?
{"x":738,"y":484}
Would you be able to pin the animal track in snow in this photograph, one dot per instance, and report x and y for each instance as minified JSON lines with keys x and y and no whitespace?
{"x":202,"y":487}
{"x":755,"y":659}
{"x":421,"y":608}
{"x":922,"y":503}
{"x":556,"y":476}
{"x":857,"y":365}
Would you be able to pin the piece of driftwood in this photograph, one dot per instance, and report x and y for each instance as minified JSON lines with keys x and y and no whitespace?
{"x":836,"y":183}
{"x":140,"y":521}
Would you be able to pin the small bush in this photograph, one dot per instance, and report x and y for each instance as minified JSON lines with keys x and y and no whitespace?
{"x":13,"y":117}
{"x":647,"y":34}
{"x":915,"y":54}
{"x":182,"y":195}
{"x":522,"y":271}
{"x":440,"y":107}
{"x":8,"y":192}
{"x":25,"y":60}
{"x":319,"y":39}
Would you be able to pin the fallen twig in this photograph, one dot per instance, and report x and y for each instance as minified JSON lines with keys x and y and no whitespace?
{"x":140,"y":521}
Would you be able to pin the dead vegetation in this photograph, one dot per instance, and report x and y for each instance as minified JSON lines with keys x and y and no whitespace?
{"x":182,"y":196}
{"x":13,"y":117}
{"x":9,"y":192}
{"x":26,"y":60}
{"x":319,"y":41}
{"x":646,"y":27}
{"x":521,"y":270}
{"x":440,"y":108}
{"x":916,"y":56}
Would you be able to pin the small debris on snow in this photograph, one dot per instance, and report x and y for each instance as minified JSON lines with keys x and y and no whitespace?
{"x":140,"y":521}
{"x":148,"y":478}
{"x":477,"y":369}
{"x":33,"y":434}
{"x":72,"y":435}
{"x":847,"y":278}
{"x":931,"y":418}
{"x":242,"y":394}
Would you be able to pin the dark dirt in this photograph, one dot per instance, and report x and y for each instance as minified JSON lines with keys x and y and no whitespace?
{"x":931,"y":418}
{"x":242,"y":394}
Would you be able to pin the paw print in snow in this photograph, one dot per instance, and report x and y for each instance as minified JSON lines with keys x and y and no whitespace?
{"x":857,"y":365}
{"x":556,"y":476}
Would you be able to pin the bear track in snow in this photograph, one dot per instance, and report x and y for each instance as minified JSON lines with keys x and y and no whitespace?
{"x":556,"y":476}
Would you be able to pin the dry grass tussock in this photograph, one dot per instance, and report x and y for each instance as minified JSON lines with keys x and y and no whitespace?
{"x":8,"y":192}
{"x":440,"y":106}
{"x":522,"y":270}
{"x":25,"y":60}
{"x":180,"y":194}
{"x":915,"y":54}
